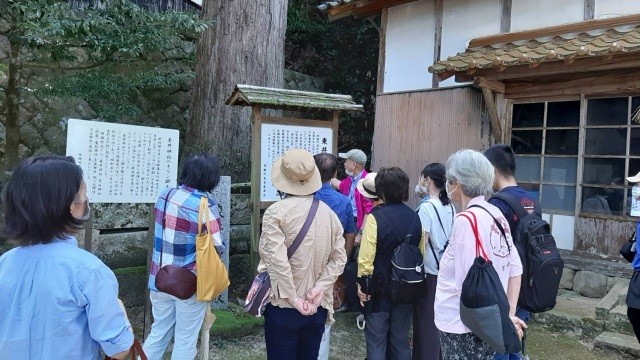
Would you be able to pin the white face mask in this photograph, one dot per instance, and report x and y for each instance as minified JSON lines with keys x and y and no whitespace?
{"x":446,"y":187}
{"x":635,"y":192}
{"x":349,"y":172}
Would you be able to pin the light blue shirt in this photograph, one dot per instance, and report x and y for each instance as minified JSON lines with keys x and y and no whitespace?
{"x":352,"y":192}
{"x":58,"y":301}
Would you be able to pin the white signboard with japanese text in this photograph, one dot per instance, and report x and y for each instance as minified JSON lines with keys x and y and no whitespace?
{"x":276,"y":139}
{"x":123,"y":163}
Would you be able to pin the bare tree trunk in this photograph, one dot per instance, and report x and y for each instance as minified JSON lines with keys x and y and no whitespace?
{"x":245,"y":45}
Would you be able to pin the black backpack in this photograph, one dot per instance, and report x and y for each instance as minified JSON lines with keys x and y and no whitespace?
{"x":541,"y":262}
{"x":408,"y":277}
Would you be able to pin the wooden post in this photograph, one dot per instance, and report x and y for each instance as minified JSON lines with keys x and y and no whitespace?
{"x":256,"y":123}
{"x":335,"y":118}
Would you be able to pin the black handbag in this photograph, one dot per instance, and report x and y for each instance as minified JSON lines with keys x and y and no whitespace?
{"x":171,"y":279}
{"x":627,"y":249}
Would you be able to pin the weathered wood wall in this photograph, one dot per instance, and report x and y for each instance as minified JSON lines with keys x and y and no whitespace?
{"x":601,"y":235}
{"x":417,"y":128}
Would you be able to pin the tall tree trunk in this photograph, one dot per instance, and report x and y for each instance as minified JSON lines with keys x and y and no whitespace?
{"x":245,"y":45}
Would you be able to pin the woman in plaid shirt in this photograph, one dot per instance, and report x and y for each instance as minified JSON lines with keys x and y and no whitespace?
{"x":199,"y":175}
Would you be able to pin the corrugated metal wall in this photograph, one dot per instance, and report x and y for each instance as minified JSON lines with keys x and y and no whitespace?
{"x":416,"y":128}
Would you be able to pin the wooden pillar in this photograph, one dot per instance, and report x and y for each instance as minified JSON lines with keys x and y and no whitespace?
{"x":335,"y":118}
{"x":256,"y":123}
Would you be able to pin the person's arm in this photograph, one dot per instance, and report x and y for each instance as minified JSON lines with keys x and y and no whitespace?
{"x":215,"y":228}
{"x":368,"y":247}
{"x":349,"y":241}
{"x":513,"y":291}
{"x":273,"y":252}
{"x":463,"y":241}
{"x":337,"y":258}
{"x":107,"y":322}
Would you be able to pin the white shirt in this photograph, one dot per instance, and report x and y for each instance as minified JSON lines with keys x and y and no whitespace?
{"x":437,"y":235}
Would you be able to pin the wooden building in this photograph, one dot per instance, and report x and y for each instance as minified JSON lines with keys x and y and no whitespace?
{"x":559,"y":80}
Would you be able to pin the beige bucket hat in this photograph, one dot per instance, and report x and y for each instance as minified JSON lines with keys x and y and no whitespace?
{"x":295,"y":173}
{"x":634,"y":179}
{"x":367,"y":186}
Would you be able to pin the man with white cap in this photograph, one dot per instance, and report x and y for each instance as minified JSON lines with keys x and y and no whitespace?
{"x":633,"y":294}
{"x":301,"y":299}
{"x":354,"y":162}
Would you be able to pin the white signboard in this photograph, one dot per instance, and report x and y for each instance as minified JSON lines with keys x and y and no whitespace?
{"x":276,"y":139}
{"x":123,"y":163}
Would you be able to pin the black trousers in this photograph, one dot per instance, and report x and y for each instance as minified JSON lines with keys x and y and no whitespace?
{"x":426,"y":336}
{"x":290,"y":335}
{"x":633,"y":315}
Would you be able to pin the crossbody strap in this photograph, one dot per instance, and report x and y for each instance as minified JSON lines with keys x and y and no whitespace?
{"x":164,"y":221}
{"x":504,"y":234}
{"x":433,"y":251}
{"x":474,"y":227}
{"x":304,"y":230}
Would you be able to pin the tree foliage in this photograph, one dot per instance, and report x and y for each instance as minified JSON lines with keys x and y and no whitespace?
{"x":345,"y":54}
{"x":81,"y":46}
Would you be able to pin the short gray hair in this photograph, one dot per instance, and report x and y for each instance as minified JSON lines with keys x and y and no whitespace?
{"x":472,"y":171}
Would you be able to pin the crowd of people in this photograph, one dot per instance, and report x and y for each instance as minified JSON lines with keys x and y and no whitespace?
{"x":60,"y":301}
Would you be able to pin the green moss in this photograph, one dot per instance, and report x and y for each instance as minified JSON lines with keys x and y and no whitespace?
{"x":130,"y":270}
{"x":233,"y":322}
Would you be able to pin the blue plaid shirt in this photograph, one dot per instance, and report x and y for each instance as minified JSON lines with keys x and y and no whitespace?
{"x":181,"y":228}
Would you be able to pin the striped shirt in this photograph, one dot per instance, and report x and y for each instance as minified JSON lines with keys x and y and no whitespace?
{"x":181,"y":228}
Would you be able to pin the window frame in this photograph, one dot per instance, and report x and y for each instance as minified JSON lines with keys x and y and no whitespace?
{"x":582,"y":128}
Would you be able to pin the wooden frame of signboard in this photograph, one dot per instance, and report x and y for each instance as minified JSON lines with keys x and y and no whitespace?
{"x":259,"y":98}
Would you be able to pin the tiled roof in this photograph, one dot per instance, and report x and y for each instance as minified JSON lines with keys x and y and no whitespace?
{"x":624,"y":39}
{"x":336,"y":9}
{"x":271,"y":98}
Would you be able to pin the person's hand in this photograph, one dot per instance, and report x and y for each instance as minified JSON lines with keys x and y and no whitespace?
{"x":519,"y":325}
{"x":363,"y":297}
{"x":358,"y":239}
{"x":314,"y":295}
{"x":304,"y":307}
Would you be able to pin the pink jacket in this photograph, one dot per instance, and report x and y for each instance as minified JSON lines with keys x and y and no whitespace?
{"x":363,"y":205}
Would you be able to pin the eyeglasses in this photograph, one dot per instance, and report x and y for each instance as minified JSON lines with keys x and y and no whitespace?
{"x":86,"y":200}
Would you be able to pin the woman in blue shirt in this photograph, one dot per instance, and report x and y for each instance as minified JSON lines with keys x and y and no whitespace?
{"x":633,"y":294}
{"x":57,"y":301}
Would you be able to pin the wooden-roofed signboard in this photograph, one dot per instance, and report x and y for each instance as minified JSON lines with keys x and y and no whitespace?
{"x":272,"y":135}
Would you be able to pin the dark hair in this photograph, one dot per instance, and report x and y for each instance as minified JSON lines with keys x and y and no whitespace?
{"x":392,"y":185}
{"x":437,"y":173}
{"x":327,"y":165}
{"x":200,"y":171}
{"x":502,"y":158}
{"x":37,"y":200}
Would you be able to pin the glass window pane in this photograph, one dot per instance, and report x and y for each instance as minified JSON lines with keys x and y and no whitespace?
{"x":606,"y":142}
{"x":603,"y":171}
{"x":634,"y":167}
{"x":560,"y":170}
{"x":526,"y":141}
{"x":558,"y":197}
{"x":563,"y":113}
{"x":561,"y":142}
{"x":602,"y":201}
{"x":634,"y":145}
{"x":527,"y":168}
{"x":612,"y":111}
{"x":527,"y":115}
{"x":532,"y":189}
{"x":635,"y":108}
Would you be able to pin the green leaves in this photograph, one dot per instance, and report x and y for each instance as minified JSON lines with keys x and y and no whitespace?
{"x":115,"y":30}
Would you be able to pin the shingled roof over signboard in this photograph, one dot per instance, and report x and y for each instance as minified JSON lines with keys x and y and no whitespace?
{"x":532,"y":48}
{"x":337,"y":9}
{"x":271,"y":98}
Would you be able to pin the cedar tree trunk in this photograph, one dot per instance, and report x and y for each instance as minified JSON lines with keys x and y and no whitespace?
{"x":245,"y":45}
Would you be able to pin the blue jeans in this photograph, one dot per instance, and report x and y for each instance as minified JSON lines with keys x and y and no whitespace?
{"x":290,"y":335}
{"x":523,"y":315}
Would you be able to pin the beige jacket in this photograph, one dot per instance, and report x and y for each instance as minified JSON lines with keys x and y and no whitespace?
{"x":318,"y":261}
